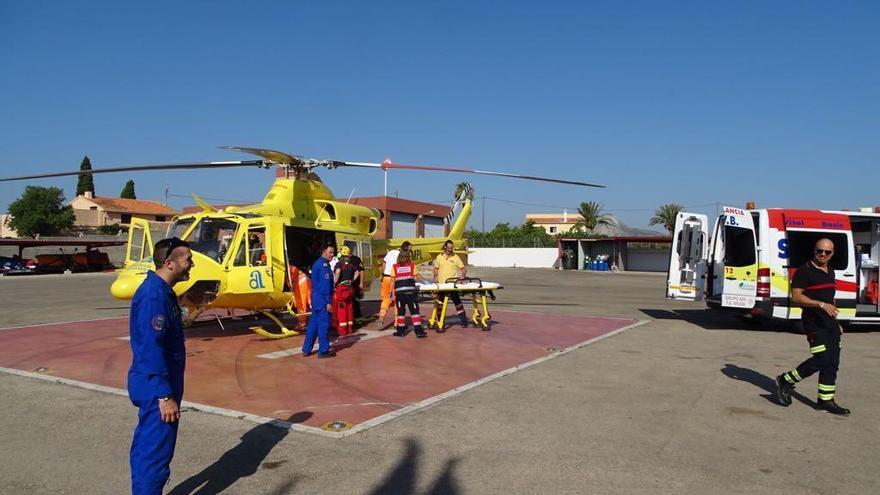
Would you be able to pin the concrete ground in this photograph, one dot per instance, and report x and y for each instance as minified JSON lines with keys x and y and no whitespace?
{"x":681,"y":404}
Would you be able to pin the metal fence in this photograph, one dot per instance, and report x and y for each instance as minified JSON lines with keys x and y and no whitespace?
{"x":510,"y":242}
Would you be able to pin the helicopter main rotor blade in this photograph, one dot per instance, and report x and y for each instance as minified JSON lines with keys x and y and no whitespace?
{"x":273,"y":156}
{"x":167,"y":166}
{"x":387,"y":165}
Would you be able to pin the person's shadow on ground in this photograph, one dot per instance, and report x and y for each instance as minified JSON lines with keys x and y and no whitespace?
{"x":402,"y":479}
{"x":240,"y":461}
{"x":761,"y":381}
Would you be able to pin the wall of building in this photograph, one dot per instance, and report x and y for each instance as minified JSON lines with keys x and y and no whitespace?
{"x":89,"y":218}
{"x":646,"y":261}
{"x":5,"y":229}
{"x":555,"y":228}
{"x":509,"y":257}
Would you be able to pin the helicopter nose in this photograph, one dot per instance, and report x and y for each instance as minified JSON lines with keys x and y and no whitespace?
{"x":125,"y":286}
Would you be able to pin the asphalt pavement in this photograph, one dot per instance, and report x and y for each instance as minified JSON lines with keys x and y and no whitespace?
{"x":682,"y":404}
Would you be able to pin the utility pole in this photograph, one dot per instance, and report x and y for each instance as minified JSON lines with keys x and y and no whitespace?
{"x":483,"y":212}
{"x":165,"y":203}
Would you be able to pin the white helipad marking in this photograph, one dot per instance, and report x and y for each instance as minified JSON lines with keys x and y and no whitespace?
{"x":415,"y":406}
{"x":364,"y":335}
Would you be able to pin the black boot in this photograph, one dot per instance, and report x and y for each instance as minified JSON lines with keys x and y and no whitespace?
{"x":832,"y":407}
{"x":783,"y":390}
{"x":464,"y":320}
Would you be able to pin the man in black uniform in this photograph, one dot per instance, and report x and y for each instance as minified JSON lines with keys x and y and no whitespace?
{"x":813,"y":289}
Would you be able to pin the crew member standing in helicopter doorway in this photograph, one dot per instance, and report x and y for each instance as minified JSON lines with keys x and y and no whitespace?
{"x":155,"y":379}
{"x":346,"y":276}
{"x":322,"y":305}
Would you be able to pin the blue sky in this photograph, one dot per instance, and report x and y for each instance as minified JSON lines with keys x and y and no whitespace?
{"x":687,"y":102}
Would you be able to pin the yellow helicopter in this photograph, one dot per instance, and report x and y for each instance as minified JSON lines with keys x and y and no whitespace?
{"x":246,"y":256}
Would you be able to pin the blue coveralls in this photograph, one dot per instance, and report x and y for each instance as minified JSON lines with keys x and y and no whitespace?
{"x":322,"y":295}
{"x":158,"y":360}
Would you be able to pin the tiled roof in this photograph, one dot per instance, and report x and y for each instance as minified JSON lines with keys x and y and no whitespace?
{"x":132,"y":205}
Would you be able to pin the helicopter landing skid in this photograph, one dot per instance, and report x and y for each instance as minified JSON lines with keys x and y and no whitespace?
{"x":283,"y":331}
{"x":191,"y":318}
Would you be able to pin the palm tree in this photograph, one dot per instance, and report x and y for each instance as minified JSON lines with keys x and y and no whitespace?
{"x":462,"y":186}
{"x":665,"y":216}
{"x":591,"y":216}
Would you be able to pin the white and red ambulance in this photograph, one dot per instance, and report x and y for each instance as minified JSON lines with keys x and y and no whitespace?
{"x":748,"y":262}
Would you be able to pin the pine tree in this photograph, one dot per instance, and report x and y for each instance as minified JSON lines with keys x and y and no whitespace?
{"x":86,"y":181}
{"x":128,"y":191}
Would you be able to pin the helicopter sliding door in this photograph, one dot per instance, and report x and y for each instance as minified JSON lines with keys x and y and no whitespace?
{"x":248,"y":269}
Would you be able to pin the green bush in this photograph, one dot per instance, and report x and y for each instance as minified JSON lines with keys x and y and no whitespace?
{"x":113,"y":229}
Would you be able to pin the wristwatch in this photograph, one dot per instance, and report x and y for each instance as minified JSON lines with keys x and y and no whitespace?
{"x":821,"y":305}
{"x":164,"y":399}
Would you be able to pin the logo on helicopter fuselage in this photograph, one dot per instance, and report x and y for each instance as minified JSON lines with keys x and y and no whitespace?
{"x":256,"y":280}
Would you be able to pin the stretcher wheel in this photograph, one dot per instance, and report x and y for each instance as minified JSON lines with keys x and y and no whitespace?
{"x":486,"y":323}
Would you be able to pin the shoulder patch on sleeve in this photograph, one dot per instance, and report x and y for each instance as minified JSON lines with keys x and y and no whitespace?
{"x":158,"y":323}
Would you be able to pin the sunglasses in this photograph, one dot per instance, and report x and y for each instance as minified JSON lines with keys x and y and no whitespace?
{"x":824,"y":251}
{"x":173,"y":244}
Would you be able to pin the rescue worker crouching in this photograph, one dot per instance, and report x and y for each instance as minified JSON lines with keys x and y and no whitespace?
{"x":155,"y":378}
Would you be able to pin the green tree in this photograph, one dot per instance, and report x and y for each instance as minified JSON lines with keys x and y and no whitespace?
{"x":464,"y":186}
{"x":504,"y":235}
{"x":86,"y":181}
{"x":128,"y":191}
{"x":591,"y":216}
{"x":40,"y":210}
{"x":665,"y":216}
{"x":112,"y":229}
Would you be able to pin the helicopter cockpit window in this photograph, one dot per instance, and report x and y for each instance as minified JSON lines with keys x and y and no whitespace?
{"x":178,"y":228}
{"x":257,"y":246}
{"x":211,"y":237}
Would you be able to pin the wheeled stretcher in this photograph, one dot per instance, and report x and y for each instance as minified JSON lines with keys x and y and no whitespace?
{"x":476,"y":289}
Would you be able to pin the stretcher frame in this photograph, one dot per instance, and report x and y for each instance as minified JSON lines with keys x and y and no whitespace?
{"x":479,"y":296}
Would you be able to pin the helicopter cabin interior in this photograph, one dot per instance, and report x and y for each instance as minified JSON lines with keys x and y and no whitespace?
{"x":304,"y":246}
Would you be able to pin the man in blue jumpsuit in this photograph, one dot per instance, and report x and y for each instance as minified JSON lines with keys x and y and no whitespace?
{"x":155,"y":379}
{"x":322,"y":305}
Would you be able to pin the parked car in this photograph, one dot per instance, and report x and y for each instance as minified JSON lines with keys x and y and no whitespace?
{"x":16,"y":266}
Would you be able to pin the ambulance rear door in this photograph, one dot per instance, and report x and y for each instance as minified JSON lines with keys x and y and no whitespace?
{"x":739,"y":263}
{"x":803,"y":228}
{"x":686,"y":278}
